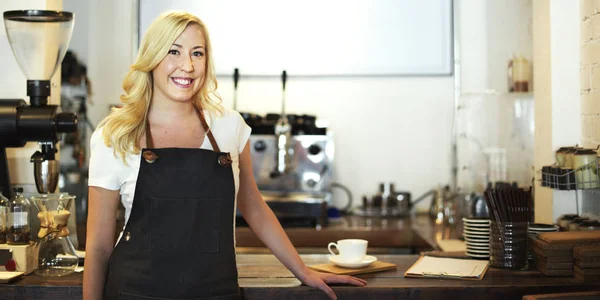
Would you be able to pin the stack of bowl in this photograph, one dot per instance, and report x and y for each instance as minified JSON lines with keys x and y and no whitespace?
{"x":476,"y":232}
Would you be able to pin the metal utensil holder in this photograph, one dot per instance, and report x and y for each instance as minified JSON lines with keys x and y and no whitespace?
{"x":585,"y":177}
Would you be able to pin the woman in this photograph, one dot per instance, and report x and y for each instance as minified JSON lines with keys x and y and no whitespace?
{"x":177,"y":160}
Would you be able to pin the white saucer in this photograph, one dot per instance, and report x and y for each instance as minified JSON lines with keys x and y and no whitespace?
{"x":475,"y":255}
{"x":335,"y":259}
{"x":477,"y":229}
{"x":477,"y":221}
{"x":476,"y":244}
{"x":476,"y":233}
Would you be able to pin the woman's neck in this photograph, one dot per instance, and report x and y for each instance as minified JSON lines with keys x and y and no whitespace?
{"x":171,"y":112}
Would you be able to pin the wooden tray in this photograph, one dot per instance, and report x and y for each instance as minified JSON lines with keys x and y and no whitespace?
{"x":587,"y":278}
{"x":553,"y":259}
{"x":377,"y":266}
{"x":558,"y":273}
{"x":8,"y":277}
{"x":587,"y":265}
{"x":594,"y":272}
{"x":544,"y":245}
{"x":587,"y":259}
{"x":554,"y":265}
{"x":553,"y":253}
{"x":587,"y":251}
{"x":565,"y":296}
{"x":573,"y":237}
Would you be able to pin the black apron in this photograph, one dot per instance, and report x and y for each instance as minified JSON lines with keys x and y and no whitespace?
{"x":178,"y":241}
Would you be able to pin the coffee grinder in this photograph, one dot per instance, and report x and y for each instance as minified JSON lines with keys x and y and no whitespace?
{"x":39,"y":41}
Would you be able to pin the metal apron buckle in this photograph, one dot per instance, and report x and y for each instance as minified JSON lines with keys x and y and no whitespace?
{"x":149,"y":156}
{"x":225,"y":160}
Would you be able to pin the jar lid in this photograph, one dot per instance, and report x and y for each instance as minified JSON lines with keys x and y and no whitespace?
{"x":580,"y":219}
{"x":585,"y":152}
{"x":569,"y":216}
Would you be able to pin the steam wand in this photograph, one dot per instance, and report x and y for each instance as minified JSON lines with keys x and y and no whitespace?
{"x":283,"y":137}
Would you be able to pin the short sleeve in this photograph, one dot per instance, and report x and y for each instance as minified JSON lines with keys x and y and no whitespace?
{"x":104,"y":167}
{"x":243,"y":133}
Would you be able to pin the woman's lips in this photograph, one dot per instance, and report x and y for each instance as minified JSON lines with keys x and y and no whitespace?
{"x":182,"y":82}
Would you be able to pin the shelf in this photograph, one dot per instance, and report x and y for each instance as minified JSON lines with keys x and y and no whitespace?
{"x":585,"y":177}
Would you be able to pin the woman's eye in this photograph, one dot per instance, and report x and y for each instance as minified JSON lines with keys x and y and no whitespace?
{"x":173,"y":51}
{"x":198,"y":53}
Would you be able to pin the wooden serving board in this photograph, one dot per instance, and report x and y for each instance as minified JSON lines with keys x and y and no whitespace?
{"x":554,"y":265}
{"x":587,"y":251}
{"x":8,"y":277}
{"x":573,"y":237}
{"x":587,"y":259}
{"x":553,"y":259}
{"x":553,"y":253}
{"x":593,"y":272}
{"x":374,"y":267}
{"x":544,"y":245}
{"x":587,"y":278}
{"x":587,"y":265}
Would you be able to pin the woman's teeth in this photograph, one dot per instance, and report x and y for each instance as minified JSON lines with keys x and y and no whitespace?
{"x":183,"y":81}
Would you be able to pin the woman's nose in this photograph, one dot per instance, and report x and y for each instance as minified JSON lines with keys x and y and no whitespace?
{"x":187,"y":65}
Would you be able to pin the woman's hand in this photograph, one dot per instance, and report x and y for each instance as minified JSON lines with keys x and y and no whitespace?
{"x":320,"y":280}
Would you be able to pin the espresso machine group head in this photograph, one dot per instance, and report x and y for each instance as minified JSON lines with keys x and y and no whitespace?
{"x":39,"y":40}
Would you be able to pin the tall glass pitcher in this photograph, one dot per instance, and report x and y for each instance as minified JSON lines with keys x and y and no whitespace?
{"x":57,"y":256}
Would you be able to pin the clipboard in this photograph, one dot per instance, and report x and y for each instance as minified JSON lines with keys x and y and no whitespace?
{"x":448,"y":268}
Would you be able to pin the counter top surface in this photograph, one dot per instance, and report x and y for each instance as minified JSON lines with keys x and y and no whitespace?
{"x":380,"y":232}
{"x":264,"y":277}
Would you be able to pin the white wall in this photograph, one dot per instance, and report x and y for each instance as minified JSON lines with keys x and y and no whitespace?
{"x":394,"y":129}
{"x":13,"y":85}
{"x":491,"y":32}
{"x":566,"y":108}
{"x":79,"y":41}
{"x":558,"y":107}
{"x":590,"y":88}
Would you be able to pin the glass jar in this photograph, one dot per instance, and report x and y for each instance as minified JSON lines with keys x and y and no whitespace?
{"x":56,"y":255}
{"x":574,"y":225}
{"x":4,"y":209}
{"x":508,"y":245}
{"x":19,"y":224}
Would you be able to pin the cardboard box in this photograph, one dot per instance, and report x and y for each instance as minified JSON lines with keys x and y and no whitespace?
{"x":25,"y":257}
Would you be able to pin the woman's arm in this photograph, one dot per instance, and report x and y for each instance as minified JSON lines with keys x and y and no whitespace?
{"x":266,"y":226}
{"x":101,"y":223}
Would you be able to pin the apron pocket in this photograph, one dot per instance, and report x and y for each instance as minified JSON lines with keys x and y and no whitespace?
{"x":184,"y":224}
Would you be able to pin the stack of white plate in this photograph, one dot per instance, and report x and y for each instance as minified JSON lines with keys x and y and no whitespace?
{"x":536,"y":228}
{"x":476,"y":232}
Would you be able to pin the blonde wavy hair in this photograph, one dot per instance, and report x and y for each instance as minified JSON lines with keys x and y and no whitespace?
{"x":124,"y":127}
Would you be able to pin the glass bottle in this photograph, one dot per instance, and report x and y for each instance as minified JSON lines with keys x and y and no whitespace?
{"x":4,"y":209}
{"x":19,"y":224}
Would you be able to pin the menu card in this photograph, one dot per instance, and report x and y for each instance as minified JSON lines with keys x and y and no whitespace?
{"x":454,"y":268}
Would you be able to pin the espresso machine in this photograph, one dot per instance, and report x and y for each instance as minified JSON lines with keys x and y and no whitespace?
{"x":292,"y":162}
{"x":39,"y":40}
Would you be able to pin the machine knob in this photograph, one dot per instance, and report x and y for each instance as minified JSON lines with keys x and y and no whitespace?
{"x":260,"y":146}
{"x":314,"y":149}
{"x":66,"y":122}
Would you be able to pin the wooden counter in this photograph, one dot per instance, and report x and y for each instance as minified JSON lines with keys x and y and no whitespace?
{"x":264,"y":277}
{"x":385,"y":235}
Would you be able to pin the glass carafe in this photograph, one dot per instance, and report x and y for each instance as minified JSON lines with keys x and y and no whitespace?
{"x":56,"y":256}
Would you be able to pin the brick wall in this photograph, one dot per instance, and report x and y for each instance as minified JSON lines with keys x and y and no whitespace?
{"x":590,"y":72}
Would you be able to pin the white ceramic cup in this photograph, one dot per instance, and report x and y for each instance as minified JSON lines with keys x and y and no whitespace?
{"x":350,"y":250}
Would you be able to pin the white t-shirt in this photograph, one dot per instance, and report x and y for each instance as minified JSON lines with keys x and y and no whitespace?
{"x":108,"y":171}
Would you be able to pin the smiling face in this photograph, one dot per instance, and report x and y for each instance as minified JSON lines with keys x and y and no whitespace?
{"x":180,"y":75}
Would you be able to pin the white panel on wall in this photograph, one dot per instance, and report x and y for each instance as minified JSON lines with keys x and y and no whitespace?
{"x":312,"y":37}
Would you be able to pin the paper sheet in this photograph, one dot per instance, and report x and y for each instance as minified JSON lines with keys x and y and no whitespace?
{"x":448,"y":267}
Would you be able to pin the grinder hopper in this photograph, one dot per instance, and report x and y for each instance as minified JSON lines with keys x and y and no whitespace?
{"x":39,"y":41}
